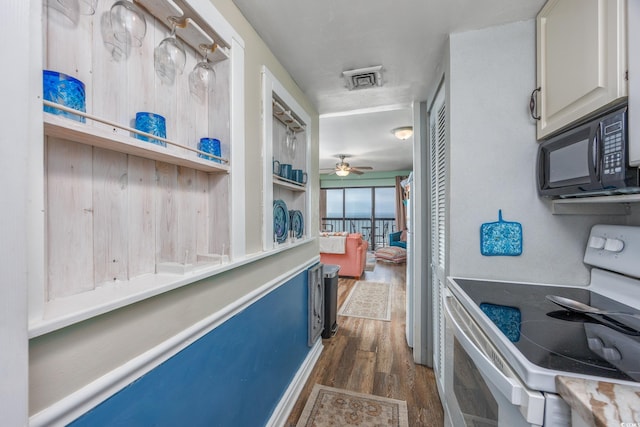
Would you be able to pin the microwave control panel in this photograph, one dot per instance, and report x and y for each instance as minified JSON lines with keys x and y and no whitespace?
{"x":614,"y":158}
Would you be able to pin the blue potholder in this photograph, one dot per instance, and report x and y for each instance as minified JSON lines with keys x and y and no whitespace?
{"x":507,"y":319}
{"x":501,"y":238}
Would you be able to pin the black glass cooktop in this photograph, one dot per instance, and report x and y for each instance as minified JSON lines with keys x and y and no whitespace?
{"x":557,"y":339}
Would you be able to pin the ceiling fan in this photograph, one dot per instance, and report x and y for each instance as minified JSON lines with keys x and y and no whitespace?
{"x":343,"y":168}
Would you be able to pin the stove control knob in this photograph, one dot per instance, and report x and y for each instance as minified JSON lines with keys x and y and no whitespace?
{"x":595,"y":344}
{"x":613,"y":245}
{"x":597,"y":242}
{"x":611,"y":353}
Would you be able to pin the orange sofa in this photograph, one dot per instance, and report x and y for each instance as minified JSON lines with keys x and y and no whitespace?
{"x":353,"y":261}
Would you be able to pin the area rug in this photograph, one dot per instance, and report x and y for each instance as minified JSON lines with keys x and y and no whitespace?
{"x":370,"y":300}
{"x":370,"y":263}
{"x":331,"y":407}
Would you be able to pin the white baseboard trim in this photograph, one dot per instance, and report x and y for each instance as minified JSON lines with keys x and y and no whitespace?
{"x":290,"y":397}
{"x":83,"y":400}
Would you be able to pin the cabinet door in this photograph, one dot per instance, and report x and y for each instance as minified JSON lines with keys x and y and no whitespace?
{"x":581,"y":57}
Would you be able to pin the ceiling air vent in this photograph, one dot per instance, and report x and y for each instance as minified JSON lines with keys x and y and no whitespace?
{"x":363,"y":78}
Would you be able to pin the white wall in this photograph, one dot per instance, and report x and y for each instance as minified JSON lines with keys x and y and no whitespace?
{"x":492,"y":164}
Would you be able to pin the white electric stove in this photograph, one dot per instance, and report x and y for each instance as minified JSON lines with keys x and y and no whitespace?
{"x":517,"y":340}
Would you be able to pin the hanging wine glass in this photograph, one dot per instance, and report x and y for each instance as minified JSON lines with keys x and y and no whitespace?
{"x":128,"y":23}
{"x":119,"y":50}
{"x":293,"y":144}
{"x":203,"y":76}
{"x":169,"y":58}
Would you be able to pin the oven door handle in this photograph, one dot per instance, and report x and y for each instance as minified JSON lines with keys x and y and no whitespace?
{"x":509,"y":387}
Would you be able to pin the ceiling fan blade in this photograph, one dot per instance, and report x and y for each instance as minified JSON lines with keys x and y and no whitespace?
{"x":364,"y":168}
{"x":356,"y":171}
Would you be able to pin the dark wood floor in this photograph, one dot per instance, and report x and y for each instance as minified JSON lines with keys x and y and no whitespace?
{"x":372,"y":356}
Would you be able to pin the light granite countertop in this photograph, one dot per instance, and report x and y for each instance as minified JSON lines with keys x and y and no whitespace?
{"x":599,"y":403}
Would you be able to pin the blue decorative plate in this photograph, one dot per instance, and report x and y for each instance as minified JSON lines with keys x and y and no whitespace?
{"x":280,"y":220}
{"x":297,"y":224}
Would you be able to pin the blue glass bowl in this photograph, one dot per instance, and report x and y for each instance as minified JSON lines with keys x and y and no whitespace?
{"x":151,"y":123}
{"x":64,"y":90}
{"x":210,"y":145}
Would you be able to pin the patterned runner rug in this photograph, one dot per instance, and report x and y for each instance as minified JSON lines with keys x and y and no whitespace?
{"x":330,"y":407}
{"x":370,"y":300}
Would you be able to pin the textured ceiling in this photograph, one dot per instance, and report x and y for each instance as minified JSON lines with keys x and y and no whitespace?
{"x":317,"y":40}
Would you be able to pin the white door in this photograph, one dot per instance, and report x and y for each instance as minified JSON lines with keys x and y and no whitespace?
{"x":438,"y":218}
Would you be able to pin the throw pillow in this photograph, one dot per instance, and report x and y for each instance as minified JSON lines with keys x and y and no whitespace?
{"x":392,"y":254}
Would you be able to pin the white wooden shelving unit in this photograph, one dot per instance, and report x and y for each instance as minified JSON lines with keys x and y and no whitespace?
{"x":282,"y":115}
{"x":124,"y":219}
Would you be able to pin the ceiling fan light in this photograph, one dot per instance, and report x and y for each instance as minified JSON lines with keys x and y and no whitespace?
{"x":403,"y":133}
{"x":342,"y":172}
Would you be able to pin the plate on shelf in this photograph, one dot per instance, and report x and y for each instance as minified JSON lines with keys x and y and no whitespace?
{"x":280,"y":220}
{"x":297,"y":223}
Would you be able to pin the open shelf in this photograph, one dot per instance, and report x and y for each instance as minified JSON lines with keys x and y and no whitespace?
{"x":124,"y":219}
{"x":599,"y":205}
{"x":286,"y":140}
{"x":68,"y":129}
{"x":287,"y":183}
{"x":65,"y":311}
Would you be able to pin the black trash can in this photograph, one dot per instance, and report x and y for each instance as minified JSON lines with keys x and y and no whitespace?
{"x":330,"y":274}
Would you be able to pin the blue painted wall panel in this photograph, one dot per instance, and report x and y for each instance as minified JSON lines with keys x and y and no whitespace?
{"x":233,"y":376}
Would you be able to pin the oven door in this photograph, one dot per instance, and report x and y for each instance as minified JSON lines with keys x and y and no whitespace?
{"x":480,"y":388}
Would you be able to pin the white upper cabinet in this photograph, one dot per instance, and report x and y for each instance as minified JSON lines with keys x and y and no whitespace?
{"x":582,"y":61}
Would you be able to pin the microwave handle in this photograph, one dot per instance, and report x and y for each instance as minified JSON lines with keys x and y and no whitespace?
{"x":594,"y":150}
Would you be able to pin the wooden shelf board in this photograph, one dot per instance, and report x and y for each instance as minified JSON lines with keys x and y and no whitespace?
{"x":162,"y":9}
{"x":287,"y":183}
{"x":621,"y":198}
{"x":71,"y":130}
{"x":191,"y":29}
{"x":66,"y":311}
{"x":600,"y":205}
{"x":286,"y":117}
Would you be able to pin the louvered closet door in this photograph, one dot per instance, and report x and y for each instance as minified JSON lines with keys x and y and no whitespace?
{"x":438,"y":193}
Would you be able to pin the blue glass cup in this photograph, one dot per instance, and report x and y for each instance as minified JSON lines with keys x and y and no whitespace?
{"x":151,"y":123}
{"x":212,"y":146}
{"x":64,"y":90}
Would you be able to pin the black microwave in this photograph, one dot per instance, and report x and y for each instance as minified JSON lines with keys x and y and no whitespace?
{"x":588,"y":160}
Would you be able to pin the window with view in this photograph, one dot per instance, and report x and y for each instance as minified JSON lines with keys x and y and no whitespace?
{"x":369,"y":211}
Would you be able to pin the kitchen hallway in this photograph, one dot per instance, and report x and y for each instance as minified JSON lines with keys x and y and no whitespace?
{"x":372,"y":356}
